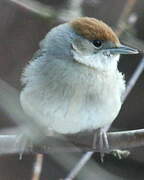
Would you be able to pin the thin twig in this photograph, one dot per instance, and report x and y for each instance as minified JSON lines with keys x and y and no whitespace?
{"x":134,"y":78}
{"x":36,"y":7}
{"x":73,"y":10}
{"x":79,"y":166}
{"x":37,"y":167}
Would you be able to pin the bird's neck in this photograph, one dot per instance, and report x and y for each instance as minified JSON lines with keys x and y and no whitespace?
{"x":98,"y":61}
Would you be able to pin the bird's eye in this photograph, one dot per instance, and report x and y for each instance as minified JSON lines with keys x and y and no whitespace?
{"x":97,"y":43}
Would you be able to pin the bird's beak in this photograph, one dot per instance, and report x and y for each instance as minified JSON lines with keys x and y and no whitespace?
{"x":122,"y":49}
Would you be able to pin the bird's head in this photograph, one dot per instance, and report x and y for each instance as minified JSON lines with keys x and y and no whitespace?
{"x":88,"y":41}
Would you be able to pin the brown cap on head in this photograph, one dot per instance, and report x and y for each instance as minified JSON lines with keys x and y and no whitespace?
{"x":92,"y":29}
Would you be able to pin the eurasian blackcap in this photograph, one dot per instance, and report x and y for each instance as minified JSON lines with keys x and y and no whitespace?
{"x":72,"y":84}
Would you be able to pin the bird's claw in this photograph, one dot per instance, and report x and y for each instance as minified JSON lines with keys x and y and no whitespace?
{"x":120,"y":154}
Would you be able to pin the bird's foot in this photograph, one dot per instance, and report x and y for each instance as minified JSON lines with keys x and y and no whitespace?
{"x":100,"y":139}
{"x":120,"y":154}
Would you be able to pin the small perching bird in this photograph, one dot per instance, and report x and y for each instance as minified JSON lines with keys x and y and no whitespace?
{"x":72,"y":83}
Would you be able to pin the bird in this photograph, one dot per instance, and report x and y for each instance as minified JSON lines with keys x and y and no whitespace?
{"x":72,"y":84}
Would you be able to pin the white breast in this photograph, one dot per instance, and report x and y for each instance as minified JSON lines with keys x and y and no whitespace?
{"x":69,"y":98}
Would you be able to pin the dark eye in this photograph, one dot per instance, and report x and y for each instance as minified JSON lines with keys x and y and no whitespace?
{"x":97,"y":43}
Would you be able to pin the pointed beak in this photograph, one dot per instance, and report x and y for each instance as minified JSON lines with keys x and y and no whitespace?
{"x":122,"y":49}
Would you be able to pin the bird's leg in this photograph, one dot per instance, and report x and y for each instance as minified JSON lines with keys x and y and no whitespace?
{"x":100,"y":138}
{"x":21,"y":144}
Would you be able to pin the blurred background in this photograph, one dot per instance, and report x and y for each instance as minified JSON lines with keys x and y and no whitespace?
{"x":23,"y":23}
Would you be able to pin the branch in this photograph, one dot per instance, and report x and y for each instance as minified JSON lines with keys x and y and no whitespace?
{"x":79,"y":165}
{"x":75,"y":143}
{"x":37,"y":167}
{"x":72,"y":11}
{"x":134,"y":78}
{"x":36,"y":7}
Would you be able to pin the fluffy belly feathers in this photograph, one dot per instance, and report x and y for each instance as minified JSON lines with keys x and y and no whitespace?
{"x":66,"y":109}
